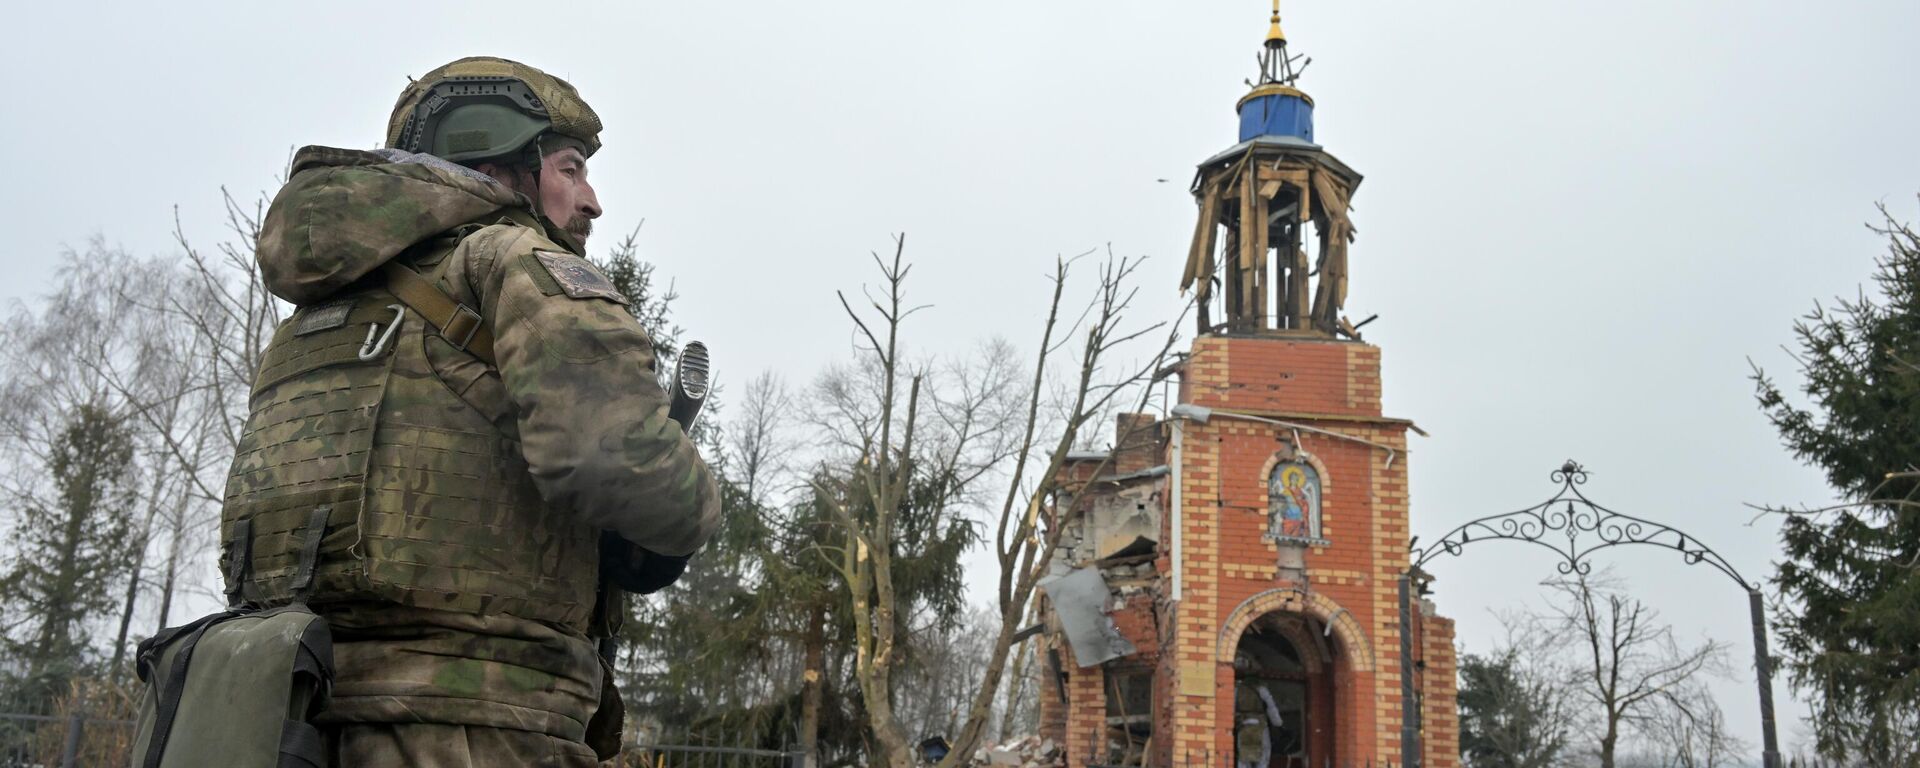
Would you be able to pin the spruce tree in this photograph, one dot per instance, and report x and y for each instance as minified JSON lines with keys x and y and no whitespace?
{"x":1509,"y":716}
{"x":69,"y":545}
{"x":1850,"y":572}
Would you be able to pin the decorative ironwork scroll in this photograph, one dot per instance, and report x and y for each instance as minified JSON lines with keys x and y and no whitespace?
{"x":1573,"y":527}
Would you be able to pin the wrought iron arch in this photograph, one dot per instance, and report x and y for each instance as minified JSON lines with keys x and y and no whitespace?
{"x":1573,"y":526}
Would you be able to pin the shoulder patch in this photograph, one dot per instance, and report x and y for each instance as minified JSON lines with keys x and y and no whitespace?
{"x":323,"y":317}
{"x":578,"y":277}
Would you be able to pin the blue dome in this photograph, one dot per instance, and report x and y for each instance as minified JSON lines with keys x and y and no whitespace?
{"x":1276,"y":110}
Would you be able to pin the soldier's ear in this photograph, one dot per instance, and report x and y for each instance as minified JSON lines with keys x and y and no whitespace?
{"x":505,"y":173}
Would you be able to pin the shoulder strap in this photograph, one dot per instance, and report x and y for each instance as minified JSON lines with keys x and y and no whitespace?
{"x":461,"y":325}
{"x":168,"y":706}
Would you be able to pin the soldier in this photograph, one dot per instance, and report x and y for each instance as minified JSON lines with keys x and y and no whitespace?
{"x":439,"y":434}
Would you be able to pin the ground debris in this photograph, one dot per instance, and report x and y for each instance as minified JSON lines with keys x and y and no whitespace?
{"x":1024,"y":752}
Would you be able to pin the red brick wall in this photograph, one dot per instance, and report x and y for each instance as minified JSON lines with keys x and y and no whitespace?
{"x":1087,"y":715}
{"x":1136,"y":623}
{"x":1136,"y":443}
{"x":1279,"y":374}
{"x":1364,"y":518}
{"x":1052,"y":711}
{"x":1224,"y":561}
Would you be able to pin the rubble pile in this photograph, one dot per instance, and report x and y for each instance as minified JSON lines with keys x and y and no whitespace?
{"x":1030,"y":752}
{"x":1129,"y":571}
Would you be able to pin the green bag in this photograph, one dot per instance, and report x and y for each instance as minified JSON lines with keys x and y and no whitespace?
{"x":238,"y":688}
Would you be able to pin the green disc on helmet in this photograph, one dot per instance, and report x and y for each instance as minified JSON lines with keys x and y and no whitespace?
{"x":482,"y":108}
{"x":474,"y":132}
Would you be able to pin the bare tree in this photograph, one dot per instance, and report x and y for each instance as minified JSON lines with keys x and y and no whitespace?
{"x":160,"y":383}
{"x":157,"y":345}
{"x":71,"y":466}
{"x":905,"y":422}
{"x":757,"y":442}
{"x":1028,"y":524}
{"x":203,"y":321}
{"x":1630,"y":663}
{"x":225,"y":305}
{"x":177,"y":346}
{"x":937,"y":684}
{"x":1686,"y":729}
{"x":1019,"y":713}
{"x":871,"y":427}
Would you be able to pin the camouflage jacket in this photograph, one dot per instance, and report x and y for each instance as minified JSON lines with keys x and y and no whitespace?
{"x":587,"y":411}
{"x":461,"y":501}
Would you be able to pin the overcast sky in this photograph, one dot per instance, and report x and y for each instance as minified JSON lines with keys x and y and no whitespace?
{"x":1580,"y":219}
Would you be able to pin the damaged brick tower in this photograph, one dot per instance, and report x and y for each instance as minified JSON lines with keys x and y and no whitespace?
{"x":1226,"y":592}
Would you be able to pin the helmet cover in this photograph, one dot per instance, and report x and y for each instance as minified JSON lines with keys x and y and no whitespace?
{"x":483,"y":107}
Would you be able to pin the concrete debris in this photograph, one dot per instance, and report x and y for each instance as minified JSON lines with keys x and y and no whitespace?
{"x":1128,"y":572}
{"x":1029,"y":752}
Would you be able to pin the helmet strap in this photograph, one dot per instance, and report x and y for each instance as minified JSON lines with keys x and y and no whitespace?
{"x":534,"y":157}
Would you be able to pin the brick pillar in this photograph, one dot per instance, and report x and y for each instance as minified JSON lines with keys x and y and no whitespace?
{"x":1439,"y":713}
{"x":1387,"y":501}
{"x":1193,"y":717}
{"x":1086,"y":728}
{"x":1052,"y":711}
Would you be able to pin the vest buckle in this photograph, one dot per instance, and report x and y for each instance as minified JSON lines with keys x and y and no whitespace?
{"x":463,"y":318}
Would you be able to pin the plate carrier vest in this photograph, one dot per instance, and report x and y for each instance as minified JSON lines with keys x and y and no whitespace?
{"x":428,"y":500}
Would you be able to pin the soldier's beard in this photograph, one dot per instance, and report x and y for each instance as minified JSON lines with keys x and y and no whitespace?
{"x":580,"y":227}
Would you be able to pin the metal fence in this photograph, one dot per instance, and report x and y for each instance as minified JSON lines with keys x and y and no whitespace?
{"x":1804,"y":761}
{"x":74,"y":739}
{"x":1203,"y":758}
{"x":63,"y":740}
{"x":696,"y":756}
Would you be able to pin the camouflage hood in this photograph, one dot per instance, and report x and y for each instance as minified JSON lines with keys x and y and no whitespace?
{"x":344,"y":212}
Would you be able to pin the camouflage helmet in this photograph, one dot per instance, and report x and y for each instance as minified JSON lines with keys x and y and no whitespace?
{"x":482,"y":108}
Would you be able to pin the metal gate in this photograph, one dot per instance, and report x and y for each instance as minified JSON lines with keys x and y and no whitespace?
{"x":1574,"y":527}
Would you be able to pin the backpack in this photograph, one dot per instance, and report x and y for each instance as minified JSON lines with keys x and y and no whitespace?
{"x":240,"y":687}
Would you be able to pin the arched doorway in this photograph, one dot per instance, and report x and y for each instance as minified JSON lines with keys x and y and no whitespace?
{"x":1283,"y":715}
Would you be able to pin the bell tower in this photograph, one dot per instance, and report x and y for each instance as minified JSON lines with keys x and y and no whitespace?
{"x":1289,"y":504}
{"x":1226,"y":587}
{"x":1270,"y":248}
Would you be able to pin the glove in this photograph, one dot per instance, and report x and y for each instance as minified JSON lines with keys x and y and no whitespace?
{"x":633,"y":568}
